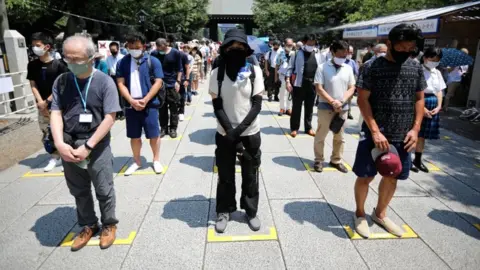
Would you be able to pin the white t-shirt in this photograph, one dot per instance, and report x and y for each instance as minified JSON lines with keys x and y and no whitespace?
{"x":272,"y":57}
{"x":135,"y":87}
{"x":236,"y":99}
{"x":435,"y":82}
{"x":334,"y":81}
{"x":456,"y":74}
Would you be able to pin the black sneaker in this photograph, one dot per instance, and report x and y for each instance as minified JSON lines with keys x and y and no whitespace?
{"x":269,"y":99}
{"x":222,"y":222}
{"x":350,"y":117}
{"x":277,"y":99}
{"x":173,"y":133}
{"x":163,"y":132}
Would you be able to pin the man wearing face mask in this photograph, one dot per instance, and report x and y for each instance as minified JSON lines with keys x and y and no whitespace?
{"x":42,"y":73}
{"x":391,"y":99}
{"x":171,"y":60}
{"x":270,"y":64}
{"x":335,"y":85}
{"x":302,"y":68}
{"x":112,"y":60}
{"x":139,"y":82}
{"x":380,"y":51}
{"x":83,"y":112}
{"x":236,"y":88}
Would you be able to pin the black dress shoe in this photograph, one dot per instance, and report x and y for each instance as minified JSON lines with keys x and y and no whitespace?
{"x":340,"y":167}
{"x":414,"y":169}
{"x":163,"y":132}
{"x":350,"y":117}
{"x":269,"y":99}
{"x":318,"y":166}
{"x":173,"y":133}
{"x":277,"y":99}
{"x":420,"y":166}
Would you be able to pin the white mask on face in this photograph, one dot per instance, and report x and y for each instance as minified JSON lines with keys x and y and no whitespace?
{"x":38,"y":51}
{"x":308,"y":48}
{"x":339,"y":61}
{"x":382,"y":54}
{"x":135,"y":53}
{"x":431,"y":65}
{"x":349,"y":56}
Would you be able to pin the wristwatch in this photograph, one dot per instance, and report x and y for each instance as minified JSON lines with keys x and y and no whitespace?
{"x":179,"y":81}
{"x":88,"y":146}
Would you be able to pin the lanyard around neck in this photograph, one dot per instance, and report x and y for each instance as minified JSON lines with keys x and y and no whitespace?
{"x":87,"y":86}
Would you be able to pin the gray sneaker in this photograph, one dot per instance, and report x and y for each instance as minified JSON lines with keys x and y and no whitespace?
{"x":222,"y":222}
{"x":254,"y":223}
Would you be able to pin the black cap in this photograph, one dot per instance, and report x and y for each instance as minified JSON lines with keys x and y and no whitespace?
{"x":236,"y":35}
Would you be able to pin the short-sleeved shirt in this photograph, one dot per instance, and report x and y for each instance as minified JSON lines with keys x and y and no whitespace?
{"x":335,"y":81}
{"x":237,"y":99}
{"x":45,"y":74}
{"x":435,"y":82}
{"x":171,"y":65}
{"x":393,"y":91}
{"x":185,"y":62}
{"x":102,"y":99}
{"x":135,"y":85}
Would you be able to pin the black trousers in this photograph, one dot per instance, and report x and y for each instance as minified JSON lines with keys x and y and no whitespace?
{"x":302,"y":95}
{"x":272,"y":90}
{"x":183,"y":95}
{"x":225,"y":156}
{"x":172,"y":103}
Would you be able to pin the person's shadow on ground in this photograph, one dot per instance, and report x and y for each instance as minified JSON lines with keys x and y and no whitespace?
{"x":35,"y":162}
{"x":179,"y":210}
{"x":208,"y":114}
{"x":318,"y":213}
{"x":204,"y":163}
{"x":203,"y":136}
{"x":52,"y":228}
{"x":272,"y":130}
{"x":452,"y":219}
{"x":293,"y":162}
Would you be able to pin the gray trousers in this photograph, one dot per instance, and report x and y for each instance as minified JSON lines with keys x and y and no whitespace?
{"x":100,"y":174}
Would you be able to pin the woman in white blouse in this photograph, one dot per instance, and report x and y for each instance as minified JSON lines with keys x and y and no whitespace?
{"x":433,"y":103}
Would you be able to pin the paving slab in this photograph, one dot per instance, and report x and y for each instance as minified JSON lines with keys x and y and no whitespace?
{"x":187,"y":176}
{"x":443,"y":230}
{"x":34,"y":161}
{"x":20,"y":195}
{"x":3,"y":185}
{"x":311,"y":236}
{"x":34,"y":236}
{"x":244,"y":255}
{"x":285,"y":177}
{"x":180,"y":226}
{"x":414,"y":254}
{"x":89,"y":257}
{"x":454,"y":194}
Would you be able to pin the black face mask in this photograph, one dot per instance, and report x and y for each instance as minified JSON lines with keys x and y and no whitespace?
{"x":235,"y":59}
{"x":399,"y":57}
{"x":114,"y":53}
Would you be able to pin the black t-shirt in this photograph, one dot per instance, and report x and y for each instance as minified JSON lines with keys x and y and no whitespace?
{"x":310,"y":65}
{"x":171,"y":65}
{"x":393,"y":91}
{"x":45,"y":74}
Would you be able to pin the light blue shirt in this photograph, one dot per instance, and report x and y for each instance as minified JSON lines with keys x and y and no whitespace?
{"x":297,"y":65}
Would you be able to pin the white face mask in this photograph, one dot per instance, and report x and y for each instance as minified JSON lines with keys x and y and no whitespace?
{"x":339,"y":61}
{"x":382,"y":54}
{"x":308,"y":48}
{"x":349,"y":56}
{"x":431,"y":65}
{"x":135,"y":53}
{"x":38,"y":51}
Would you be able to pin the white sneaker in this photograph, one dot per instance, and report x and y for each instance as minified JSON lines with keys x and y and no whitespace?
{"x":133,"y":168}
{"x":51,"y":165}
{"x":157,"y":167}
{"x":181,"y":117}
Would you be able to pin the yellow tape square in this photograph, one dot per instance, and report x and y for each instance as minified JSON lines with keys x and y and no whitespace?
{"x":409,"y":233}
{"x":68,"y":241}
{"x":214,"y":237}
{"x":477,"y":226}
{"x":152,"y":172}
{"x":432,"y":167}
{"x":30,"y":174}
{"x":178,"y":138}
{"x":326,"y":169}
{"x":447,"y":137}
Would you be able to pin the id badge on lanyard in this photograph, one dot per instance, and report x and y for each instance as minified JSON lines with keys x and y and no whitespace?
{"x":84,"y":117}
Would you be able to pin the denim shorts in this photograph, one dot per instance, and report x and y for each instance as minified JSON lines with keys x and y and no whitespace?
{"x":365,"y":166}
{"x":146,"y":120}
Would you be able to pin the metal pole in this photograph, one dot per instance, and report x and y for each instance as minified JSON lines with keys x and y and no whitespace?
{"x":3,"y":19}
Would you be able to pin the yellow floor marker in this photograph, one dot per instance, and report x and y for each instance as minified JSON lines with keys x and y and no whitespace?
{"x":431,"y":167}
{"x":237,"y":169}
{"x":188,"y":118}
{"x":68,"y":241}
{"x":356,"y":136}
{"x":409,"y":233}
{"x":326,"y":169}
{"x":178,"y":138}
{"x":31,"y":175}
{"x":447,"y":138}
{"x":214,"y":237}
{"x":477,"y":226}
{"x":149,"y":172}
{"x":477,"y":165}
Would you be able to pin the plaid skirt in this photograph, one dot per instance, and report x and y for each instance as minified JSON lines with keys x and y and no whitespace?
{"x":430,"y":126}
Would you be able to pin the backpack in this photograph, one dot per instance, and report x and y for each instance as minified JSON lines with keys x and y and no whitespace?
{"x":221,"y":76}
{"x":161,"y":94}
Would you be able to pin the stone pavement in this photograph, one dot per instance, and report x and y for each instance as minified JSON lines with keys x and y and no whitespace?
{"x":166,"y":221}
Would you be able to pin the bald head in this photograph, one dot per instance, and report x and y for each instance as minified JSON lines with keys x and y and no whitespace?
{"x":465,"y":50}
{"x":289,"y":42}
{"x":78,"y":48}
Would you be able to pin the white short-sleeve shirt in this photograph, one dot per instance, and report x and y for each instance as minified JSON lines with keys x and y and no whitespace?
{"x":335,"y":81}
{"x":435,"y":82}
{"x":135,"y":86}
{"x":236,"y":99}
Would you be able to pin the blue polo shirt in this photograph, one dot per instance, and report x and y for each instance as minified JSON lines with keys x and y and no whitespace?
{"x":123,"y":71}
{"x":171,"y":64}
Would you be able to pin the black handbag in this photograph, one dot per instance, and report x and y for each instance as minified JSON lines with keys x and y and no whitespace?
{"x":337,"y":123}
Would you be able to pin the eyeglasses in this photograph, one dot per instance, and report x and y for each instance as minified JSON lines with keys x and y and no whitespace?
{"x":76,"y":61}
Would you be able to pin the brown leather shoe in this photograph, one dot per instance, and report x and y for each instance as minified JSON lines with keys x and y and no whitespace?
{"x":339,"y":167}
{"x":311,"y":133}
{"x":84,"y":236}
{"x":293,"y":134}
{"x":108,"y":236}
{"x":318,"y":166}
{"x":289,"y":112}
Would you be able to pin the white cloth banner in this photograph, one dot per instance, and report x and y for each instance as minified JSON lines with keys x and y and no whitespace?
{"x":429,"y":26}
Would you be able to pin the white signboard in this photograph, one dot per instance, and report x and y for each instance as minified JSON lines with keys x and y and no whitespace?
{"x":6,"y":85}
{"x":104,"y":47}
{"x":429,"y":26}
{"x":360,"y":33}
